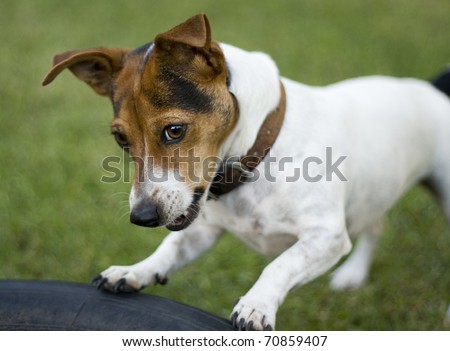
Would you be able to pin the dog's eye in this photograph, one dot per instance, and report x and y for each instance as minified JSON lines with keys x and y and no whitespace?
{"x":121,"y":139}
{"x":174,"y":133}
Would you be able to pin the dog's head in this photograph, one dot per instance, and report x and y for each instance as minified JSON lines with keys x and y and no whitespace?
{"x":172,"y":113}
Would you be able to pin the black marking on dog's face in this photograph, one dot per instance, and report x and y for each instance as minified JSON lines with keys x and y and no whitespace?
{"x":228,"y":77}
{"x":117,"y":104}
{"x":191,"y":213}
{"x":198,"y":193}
{"x":141,"y":50}
{"x":180,"y":93}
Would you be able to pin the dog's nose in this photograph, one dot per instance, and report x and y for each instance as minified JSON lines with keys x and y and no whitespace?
{"x":145,"y":216}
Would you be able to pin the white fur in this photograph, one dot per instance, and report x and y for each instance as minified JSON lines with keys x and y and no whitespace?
{"x":260,"y":73}
{"x":394,"y":132}
{"x":163,"y":189}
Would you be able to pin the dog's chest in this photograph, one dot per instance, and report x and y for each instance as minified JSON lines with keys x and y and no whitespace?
{"x":262,"y":222}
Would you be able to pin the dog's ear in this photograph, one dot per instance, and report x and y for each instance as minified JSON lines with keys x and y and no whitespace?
{"x":195,"y":32}
{"x":96,"y":67}
{"x":189,"y":47}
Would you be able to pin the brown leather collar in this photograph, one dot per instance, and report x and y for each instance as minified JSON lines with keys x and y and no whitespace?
{"x":236,"y":171}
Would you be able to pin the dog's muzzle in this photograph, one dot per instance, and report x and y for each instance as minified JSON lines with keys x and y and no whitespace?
{"x":147,"y":214}
{"x":190,"y":214}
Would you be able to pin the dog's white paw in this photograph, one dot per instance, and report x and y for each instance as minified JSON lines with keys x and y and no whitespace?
{"x":253,"y":315}
{"x":348,"y":277}
{"x":127,"y":279}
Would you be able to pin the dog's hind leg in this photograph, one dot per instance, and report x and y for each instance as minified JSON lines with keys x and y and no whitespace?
{"x":442,"y":192}
{"x":439,"y":184}
{"x":439,"y":180}
{"x":443,"y":187}
{"x":444,"y":199}
{"x":355,"y":270}
{"x":446,"y":208}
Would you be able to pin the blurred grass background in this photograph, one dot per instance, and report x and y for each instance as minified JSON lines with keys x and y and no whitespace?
{"x":58,"y":221}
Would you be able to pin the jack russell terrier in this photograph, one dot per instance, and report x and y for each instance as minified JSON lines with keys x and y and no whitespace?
{"x":243,"y":134}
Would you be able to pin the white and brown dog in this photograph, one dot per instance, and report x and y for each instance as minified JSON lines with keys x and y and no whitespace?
{"x":201,"y":114}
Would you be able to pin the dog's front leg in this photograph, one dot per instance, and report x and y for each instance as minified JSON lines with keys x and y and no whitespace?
{"x":177,"y":249}
{"x":316,"y":251}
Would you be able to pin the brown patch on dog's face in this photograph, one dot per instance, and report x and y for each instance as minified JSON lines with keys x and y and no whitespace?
{"x":174,"y":85}
{"x":150,"y":100}
{"x":172,"y":112}
{"x":173,"y":107}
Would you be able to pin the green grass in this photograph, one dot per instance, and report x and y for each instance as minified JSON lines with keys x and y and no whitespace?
{"x":58,"y":221}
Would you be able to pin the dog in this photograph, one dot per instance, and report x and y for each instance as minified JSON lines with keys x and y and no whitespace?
{"x":243,"y":134}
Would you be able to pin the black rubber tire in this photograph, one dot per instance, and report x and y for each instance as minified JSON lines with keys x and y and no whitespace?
{"x":50,"y":305}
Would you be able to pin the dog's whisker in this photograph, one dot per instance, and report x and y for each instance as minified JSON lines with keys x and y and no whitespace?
{"x":125,"y":208}
{"x":120,"y":193}
{"x":125,"y":213}
{"x":123,"y":195}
